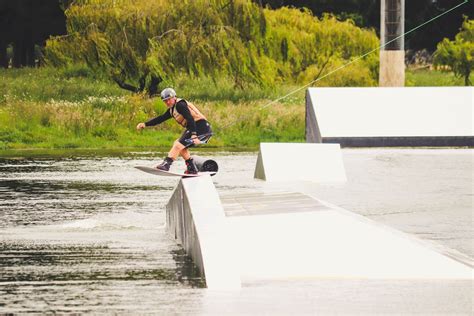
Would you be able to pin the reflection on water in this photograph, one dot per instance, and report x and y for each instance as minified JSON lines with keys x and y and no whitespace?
{"x":72,"y":263}
{"x":60,"y":262}
{"x":28,"y":202}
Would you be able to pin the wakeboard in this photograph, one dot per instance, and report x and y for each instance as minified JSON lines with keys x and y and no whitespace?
{"x":164,"y":173}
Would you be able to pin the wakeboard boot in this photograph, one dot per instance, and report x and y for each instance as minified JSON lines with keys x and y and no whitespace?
{"x":190,"y":167}
{"x":166,"y":164}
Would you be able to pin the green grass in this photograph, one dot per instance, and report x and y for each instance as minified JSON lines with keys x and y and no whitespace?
{"x":43,"y":84}
{"x":74,"y":109}
{"x":431,"y":78}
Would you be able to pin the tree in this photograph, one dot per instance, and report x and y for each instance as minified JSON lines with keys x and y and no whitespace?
{"x":366,"y":13}
{"x":458,"y":54}
{"x":143,"y":44}
{"x":26,"y":23}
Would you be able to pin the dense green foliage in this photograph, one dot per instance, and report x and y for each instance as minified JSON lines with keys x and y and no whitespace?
{"x":141,"y":44}
{"x":458,"y":54}
{"x":366,"y":13}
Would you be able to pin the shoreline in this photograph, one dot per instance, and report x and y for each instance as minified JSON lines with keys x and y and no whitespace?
{"x":107,"y":152}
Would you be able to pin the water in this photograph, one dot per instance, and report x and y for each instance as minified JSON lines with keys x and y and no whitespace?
{"x":87,"y":235}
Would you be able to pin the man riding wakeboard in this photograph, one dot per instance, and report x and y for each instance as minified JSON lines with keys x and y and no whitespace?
{"x":198,"y":130}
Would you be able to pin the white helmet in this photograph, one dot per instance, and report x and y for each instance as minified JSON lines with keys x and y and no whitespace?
{"x":168,"y":93}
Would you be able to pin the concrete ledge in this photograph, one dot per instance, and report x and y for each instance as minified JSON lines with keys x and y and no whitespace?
{"x":287,"y":235}
{"x":196,"y":219}
{"x":421,"y":116}
{"x":300,"y":161}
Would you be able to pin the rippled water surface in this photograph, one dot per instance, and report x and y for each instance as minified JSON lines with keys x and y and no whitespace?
{"x":87,"y":234}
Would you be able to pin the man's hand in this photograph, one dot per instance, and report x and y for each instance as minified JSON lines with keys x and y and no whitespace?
{"x":140,"y":126}
{"x":196,"y":140}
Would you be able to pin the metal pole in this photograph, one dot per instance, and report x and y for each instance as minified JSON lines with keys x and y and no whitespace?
{"x":392,"y":53}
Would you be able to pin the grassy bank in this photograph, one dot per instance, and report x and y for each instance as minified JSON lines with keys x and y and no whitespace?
{"x":74,"y":108}
{"x":431,"y":78}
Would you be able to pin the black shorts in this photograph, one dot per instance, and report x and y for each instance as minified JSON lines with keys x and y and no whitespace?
{"x":203,"y":129}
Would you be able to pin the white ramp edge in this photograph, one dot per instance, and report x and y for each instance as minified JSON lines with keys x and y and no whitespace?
{"x":196,"y":219}
{"x":320,"y":163}
{"x":416,"y":116}
{"x":331,"y":243}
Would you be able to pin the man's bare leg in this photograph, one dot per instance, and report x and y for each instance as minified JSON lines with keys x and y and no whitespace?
{"x":172,"y":155}
{"x":180,"y":149}
{"x":176,"y":150}
{"x":185,"y":154}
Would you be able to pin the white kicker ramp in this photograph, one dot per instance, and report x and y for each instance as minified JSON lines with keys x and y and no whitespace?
{"x":418,"y":116}
{"x":300,"y":162}
{"x":196,"y":219}
{"x":328,"y":242}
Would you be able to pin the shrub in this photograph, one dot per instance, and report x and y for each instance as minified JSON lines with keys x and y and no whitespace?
{"x":458,"y":54}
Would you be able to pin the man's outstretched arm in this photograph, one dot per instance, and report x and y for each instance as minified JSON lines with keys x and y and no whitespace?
{"x":155,"y":121}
